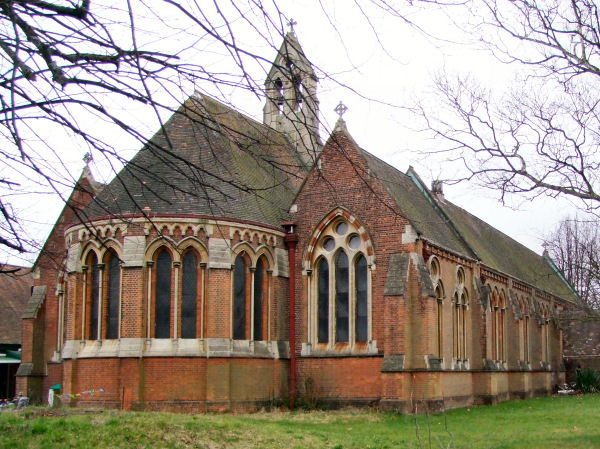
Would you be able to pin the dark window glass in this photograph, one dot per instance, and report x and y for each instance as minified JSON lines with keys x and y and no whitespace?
{"x":361,"y":298}
{"x":95,"y":299}
{"x":258,"y":300}
{"x":323,"y":301}
{"x":239,"y":298}
{"x":163,"y":296}
{"x":189,"y":294}
{"x":114,"y":275}
{"x":341,"y":299}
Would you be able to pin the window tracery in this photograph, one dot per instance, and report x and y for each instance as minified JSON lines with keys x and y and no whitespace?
{"x":340,"y":289}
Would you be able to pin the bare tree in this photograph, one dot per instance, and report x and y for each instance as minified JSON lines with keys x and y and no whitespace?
{"x":575,"y":249}
{"x":542,"y":135}
{"x":68,"y":67}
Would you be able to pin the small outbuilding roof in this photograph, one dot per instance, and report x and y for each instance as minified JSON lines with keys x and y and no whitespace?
{"x":15,"y":290}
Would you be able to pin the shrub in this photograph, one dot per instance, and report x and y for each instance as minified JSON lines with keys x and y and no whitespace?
{"x":587,"y":380}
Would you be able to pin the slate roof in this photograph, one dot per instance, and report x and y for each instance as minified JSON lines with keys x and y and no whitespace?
{"x":453,"y":228}
{"x":419,"y":209}
{"x":211,"y":160}
{"x":15,"y":290}
{"x":500,"y":252}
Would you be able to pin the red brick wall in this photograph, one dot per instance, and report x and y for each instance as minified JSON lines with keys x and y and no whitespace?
{"x":343,"y":180}
{"x":340,"y":377}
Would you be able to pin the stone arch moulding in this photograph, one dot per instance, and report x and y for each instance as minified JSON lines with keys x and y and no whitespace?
{"x":93,"y":246}
{"x":112,"y":245}
{"x":339,"y":214}
{"x":194,"y":243}
{"x":265,"y":251}
{"x":160,"y":242}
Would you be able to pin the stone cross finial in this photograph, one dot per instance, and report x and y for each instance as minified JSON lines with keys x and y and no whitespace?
{"x":341,"y":109}
{"x":291,"y":24}
{"x":87,"y":158}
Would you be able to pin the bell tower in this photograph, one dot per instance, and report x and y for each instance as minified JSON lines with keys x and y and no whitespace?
{"x":292,"y":106}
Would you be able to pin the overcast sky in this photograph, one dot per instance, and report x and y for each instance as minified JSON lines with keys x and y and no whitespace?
{"x":379,"y":66}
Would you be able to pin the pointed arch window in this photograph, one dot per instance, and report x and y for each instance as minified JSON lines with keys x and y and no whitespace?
{"x":340,"y":288}
{"x":259,"y":309}
{"x":341,"y":298}
{"x":279,"y":95}
{"x":498,"y":309}
{"x":435,"y":272}
{"x":523,"y":305}
{"x":460,"y":326}
{"x":189,"y":295}
{"x":250,"y":298}
{"x":545,"y":334}
{"x":323,"y":301}
{"x":113,"y":295}
{"x":361,"y":288}
{"x":439,"y":294}
{"x":240,"y":297}
{"x":92,"y":302}
{"x":162,"y":304}
{"x":176,"y":288}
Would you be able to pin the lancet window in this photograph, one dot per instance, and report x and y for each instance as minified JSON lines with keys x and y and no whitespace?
{"x":250,"y":297}
{"x":460,"y":307}
{"x":340,"y":286}
{"x":176,"y":291}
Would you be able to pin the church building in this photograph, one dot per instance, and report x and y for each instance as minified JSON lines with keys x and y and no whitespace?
{"x":234,"y":264}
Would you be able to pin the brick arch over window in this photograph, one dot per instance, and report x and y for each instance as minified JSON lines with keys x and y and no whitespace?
{"x":251,"y":292}
{"x":338,"y":261}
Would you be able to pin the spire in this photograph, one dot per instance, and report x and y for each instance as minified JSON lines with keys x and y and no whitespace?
{"x":291,"y":105}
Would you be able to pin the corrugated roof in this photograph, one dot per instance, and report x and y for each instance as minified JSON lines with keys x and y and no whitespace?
{"x":15,"y":290}
{"x":211,"y":160}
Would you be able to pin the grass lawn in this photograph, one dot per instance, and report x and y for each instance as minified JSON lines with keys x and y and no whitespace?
{"x":559,"y":422}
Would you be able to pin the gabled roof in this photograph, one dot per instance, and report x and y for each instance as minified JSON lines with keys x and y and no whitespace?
{"x":210,"y":160}
{"x":85,"y":188}
{"x":419,"y":209}
{"x":15,"y":290}
{"x":452,"y":228}
{"x":501,"y":253}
